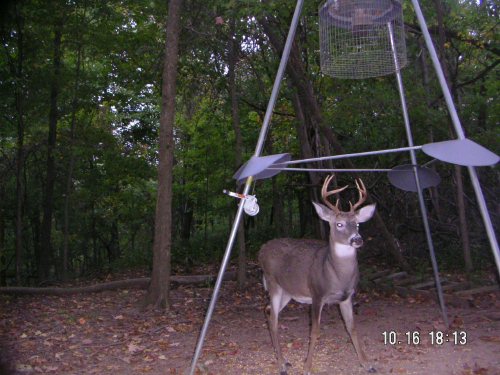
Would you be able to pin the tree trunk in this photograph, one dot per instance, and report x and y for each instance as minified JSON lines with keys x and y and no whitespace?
{"x":114,"y":250}
{"x":3,"y":257}
{"x":233,"y":91}
{"x":187,"y":215}
{"x":48,"y":201}
{"x":278,"y":211}
{"x":306,"y":152}
{"x":19,"y":201}
{"x":462,"y":215}
{"x":19,"y":95}
{"x":434,"y":190}
{"x":464,"y":229}
{"x":159,"y":289}
{"x":71,"y":164}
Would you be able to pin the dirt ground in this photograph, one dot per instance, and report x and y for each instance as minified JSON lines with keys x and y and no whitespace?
{"x":106,"y":333}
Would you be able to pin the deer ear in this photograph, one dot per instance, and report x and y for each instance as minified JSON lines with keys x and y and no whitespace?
{"x":365,"y":213}
{"x":323,"y":212}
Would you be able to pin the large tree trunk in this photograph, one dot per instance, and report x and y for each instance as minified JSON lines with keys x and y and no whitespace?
{"x":233,"y":91}
{"x":159,"y":289}
{"x":46,"y":255}
{"x":306,"y":152}
{"x":17,"y":71}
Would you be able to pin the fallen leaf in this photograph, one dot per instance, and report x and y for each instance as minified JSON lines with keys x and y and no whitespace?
{"x":184,"y":328}
{"x":438,"y":326}
{"x":126,"y":359}
{"x":399,"y":370}
{"x":134,"y":348}
{"x":457,"y":322}
{"x":490,"y":338}
{"x":481,"y":371}
{"x":24,"y":368}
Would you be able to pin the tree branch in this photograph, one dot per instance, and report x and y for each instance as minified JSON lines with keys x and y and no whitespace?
{"x":263,"y":110}
{"x":139,"y":283}
{"x":451,"y":34}
{"x":480,"y":75}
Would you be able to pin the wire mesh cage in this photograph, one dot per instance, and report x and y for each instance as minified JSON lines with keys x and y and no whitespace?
{"x":361,"y":38}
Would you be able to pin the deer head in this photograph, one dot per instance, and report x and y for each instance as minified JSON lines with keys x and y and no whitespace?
{"x":344,"y":224}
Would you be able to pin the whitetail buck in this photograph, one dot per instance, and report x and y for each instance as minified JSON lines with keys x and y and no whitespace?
{"x":317,"y":273}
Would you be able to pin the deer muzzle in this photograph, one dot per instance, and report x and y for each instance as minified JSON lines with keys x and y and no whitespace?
{"x":356,"y":241}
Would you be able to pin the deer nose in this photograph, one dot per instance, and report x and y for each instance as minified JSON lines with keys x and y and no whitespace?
{"x":357,"y":241}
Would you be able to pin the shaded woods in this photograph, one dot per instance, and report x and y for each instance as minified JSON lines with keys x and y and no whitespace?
{"x":81,"y":97}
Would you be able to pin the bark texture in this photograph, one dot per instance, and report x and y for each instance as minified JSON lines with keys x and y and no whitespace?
{"x":159,"y":289}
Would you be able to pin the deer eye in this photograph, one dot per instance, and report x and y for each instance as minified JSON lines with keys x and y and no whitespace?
{"x":340,"y":225}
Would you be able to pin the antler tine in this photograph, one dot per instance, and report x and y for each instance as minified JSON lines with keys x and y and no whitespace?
{"x":363,"y":194}
{"x":325,"y":194}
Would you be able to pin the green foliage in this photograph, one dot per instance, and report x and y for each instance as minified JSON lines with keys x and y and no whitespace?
{"x":109,"y":108}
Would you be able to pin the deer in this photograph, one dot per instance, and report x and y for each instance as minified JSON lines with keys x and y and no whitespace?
{"x":313,"y":272}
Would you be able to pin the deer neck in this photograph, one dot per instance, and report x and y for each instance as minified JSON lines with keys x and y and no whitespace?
{"x":343,"y":260}
{"x":341,"y":251}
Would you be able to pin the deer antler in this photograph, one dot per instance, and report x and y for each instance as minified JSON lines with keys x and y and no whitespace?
{"x":325,"y":194}
{"x":363,"y":194}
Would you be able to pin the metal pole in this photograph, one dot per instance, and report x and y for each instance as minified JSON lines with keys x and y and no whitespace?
{"x":355,"y":170}
{"x":423,"y":208}
{"x":222,"y":270}
{"x":460,"y":133}
{"x":248,"y":183}
{"x":344,"y":156}
{"x":279,"y":77}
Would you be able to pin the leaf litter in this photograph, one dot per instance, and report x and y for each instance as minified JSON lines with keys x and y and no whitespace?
{"x":106,"y":333}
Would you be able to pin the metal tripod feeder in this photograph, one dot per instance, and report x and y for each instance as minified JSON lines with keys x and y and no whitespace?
{"x":390,"y":59}
{"x":355,"y":38}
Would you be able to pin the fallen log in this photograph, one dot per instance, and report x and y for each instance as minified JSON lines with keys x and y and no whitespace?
{"x":138,"y":283}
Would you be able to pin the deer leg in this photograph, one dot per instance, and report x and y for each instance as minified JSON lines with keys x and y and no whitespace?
{"x":315,"y":322}
{"x":347,"y":315}
{"x":279,"y":299}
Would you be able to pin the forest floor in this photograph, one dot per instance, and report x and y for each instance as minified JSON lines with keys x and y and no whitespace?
{"x":106,"y":333}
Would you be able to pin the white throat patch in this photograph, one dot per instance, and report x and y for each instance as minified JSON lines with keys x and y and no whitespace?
{"x":344,"y":250}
